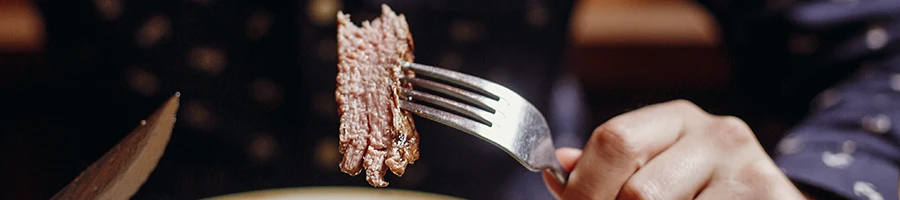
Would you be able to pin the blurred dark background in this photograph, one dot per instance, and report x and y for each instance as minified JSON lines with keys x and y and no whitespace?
{"x":257,"y":83}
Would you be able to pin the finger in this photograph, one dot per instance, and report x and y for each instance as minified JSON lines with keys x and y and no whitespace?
{"x":758,"y":180}
{"x":682,"y":170}
{"x":725,"y":189}
{"x":677,"y":173}
{"x":625,"y":143}
{"x":750,"y":174}
{"x":747,"y":172}
{"x":568,"y":157}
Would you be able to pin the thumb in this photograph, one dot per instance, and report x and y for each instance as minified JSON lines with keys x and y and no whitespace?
{"x":567,"y":157}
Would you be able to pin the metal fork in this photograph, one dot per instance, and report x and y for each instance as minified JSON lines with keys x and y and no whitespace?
{"x":492,"y":112}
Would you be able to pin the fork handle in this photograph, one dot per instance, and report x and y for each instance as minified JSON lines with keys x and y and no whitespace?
{"x":560,"y":173}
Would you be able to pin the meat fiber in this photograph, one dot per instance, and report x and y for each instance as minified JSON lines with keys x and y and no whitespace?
{"x":375,"y":134}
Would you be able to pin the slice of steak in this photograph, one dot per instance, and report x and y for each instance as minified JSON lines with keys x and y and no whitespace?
{"x":374,"y":133}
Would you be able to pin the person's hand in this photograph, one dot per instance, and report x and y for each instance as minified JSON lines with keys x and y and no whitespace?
{"x":672,"y":150}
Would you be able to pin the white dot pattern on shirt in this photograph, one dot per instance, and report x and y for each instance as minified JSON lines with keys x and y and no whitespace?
{"x":878,"y":124}
{"x":895,"y":82}
{"x":866,"y":189}
{"x":837,"y":160}
{"x":828,"y":98}
{"x":876,"y":38}
{"x":789,"y":145}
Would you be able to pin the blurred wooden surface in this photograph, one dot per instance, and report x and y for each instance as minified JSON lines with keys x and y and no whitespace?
{"x":21,"y":27}
{"x":632,"y":53}
{"x":642,"y":22}
{"x":123,"y":169}
{"x":655,"y":45}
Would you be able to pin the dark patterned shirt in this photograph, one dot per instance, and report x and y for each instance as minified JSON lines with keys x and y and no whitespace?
{"x":844,"y":50}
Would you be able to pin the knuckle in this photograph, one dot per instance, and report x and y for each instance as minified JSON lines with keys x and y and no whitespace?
{"x":632,"y":190}
{"x":615,"y":135}
{"x":731,"y":132}
{"x":759,"y":174}
{"x":684,"y":104}
{"x":762,"y":168}
{"x":686,"y":107}
{"x":734,"y":124}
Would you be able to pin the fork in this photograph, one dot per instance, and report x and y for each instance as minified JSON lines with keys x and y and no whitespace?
{"x":489,"y":111}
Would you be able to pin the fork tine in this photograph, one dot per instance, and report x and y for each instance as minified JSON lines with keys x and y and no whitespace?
{"x":465,"y":109}
{"x":478,"y":100}
{"x":521,"y":131}
{"x":471,"y":82}
{"x":461,"y":123}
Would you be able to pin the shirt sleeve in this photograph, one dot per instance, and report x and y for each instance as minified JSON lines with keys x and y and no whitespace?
{"x":842,"y":54}
{"x":848,"y":144}
{"x":841,"y":164}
